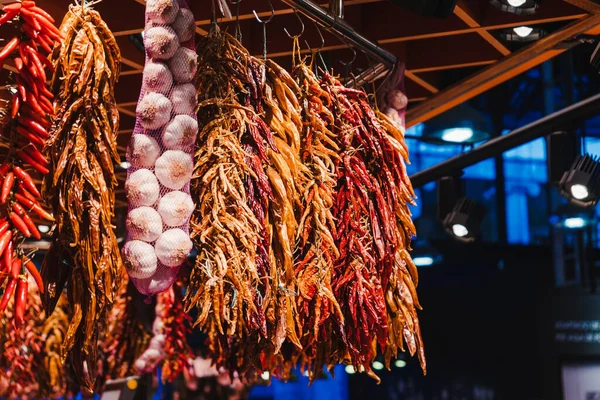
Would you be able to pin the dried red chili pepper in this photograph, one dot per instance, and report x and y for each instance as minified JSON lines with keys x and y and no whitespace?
{"x":20,"y":302}
{"x":8,"y":293}
{"x":7,"y":186}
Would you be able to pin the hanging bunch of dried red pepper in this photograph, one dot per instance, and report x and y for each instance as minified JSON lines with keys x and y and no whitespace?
{"x":24,"y":135}
{"x":316,"y":250}
{"x":125,"y":337}
{"x":374,"y":230}
{"x":176,"y":326}
{"x":30,"y":359}
{"x":301,"y":221}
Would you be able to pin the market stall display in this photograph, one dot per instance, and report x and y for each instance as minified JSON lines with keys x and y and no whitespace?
{"x":160,"y":151}
{"x":294,"y":186}
{"x":82,"y":155}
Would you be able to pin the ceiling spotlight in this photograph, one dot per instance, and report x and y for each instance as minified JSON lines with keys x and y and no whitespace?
{"x":465,"y":125}
{"x":399,"y":363}
{"x":350,"y":369}
{"x":522,"y":34}
{"x":523,"y":31}
{"x":125,"y":165}
{"x":464,"y":222}
{"x":43,"y":228}
{"x":265,"y":375}
{"x":457,"y":135}
{"x":519,"y":7}
{"x":581,"y":183}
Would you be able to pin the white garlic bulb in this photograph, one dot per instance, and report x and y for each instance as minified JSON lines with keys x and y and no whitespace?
{"x":175,"y":208}
{"x":397,"y":99}
{"x":142,"y":151}
{"x":158,"y":283}
{"x":157,"y":77}
{"x":158,"y":326}
{"x":184,"y":25}
{"x":174,"y":169}
{"x":173,"y":247}
{"x":144,"y":223}
{"x":162,"y":11}
{"x":184,"y":65}
{"x":139,"y":259}
{"x":184,"y":99}
{"x":160,"y":42}
{"x":181,"y":133}
{"x":142,"y":188}
{"x":154,"y":111}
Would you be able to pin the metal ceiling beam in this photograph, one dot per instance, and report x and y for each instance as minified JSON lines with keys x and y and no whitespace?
{"x":500,"y":72}
{"x":342,"y":30}
{"x":542,"y":127}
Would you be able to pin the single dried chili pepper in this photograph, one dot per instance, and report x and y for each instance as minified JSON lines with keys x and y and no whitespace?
{"x":28,"y":182}
{"x":7,"y":255}
{"x":20,"y":302}
{"x":16,"y":267}
{"x":35,"y":273}
{"x":15,"y":105}
{"x":8,"y":293}
{"x":9,"y":48}
{"x":20,"y":224}
{"x":7,"y":186}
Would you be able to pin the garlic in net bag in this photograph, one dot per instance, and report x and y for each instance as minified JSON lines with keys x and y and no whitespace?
{"x":160,"y":152}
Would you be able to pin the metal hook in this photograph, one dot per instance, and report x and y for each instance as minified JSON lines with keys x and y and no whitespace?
{"x":301,"y":29}
{"x":348,"y":65}
{"x":215,"y":26}
{"x":318,"y":51}
{"x":238,"y":30}
{"x":264,"y":24}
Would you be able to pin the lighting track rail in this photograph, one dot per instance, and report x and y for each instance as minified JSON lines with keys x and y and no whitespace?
{"x":542,"y":127}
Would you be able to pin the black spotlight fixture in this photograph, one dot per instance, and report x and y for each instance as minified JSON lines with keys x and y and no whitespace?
{"x":581,"y":183}
{"x":523,"y":34}
{"x":461,"y":217}
{"x":518,"y":7}
{"x":464,"y":222}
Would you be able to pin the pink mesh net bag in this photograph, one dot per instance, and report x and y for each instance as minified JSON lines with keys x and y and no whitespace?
{"x":160,"y":151}
{"x":392,"y":99}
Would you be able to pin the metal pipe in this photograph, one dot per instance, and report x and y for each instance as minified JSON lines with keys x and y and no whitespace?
{"x":542,"y":127}
{"x":337,"y":8}
{"x":342,"y":30}
{"x":369,"y":75}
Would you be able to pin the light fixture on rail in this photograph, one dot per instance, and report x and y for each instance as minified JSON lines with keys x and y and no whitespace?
{"x":523,"y":34}
{"x":460,"y":216}
{"x":464,"y":221}
{"x":581,"y":183}
{"x":464,"y":125}
{"x":518,"y":7}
